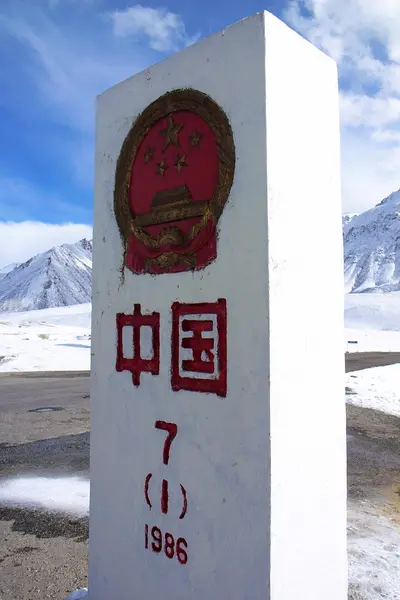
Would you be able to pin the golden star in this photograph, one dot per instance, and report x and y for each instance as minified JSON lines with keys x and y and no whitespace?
{"x":161,"y":168}
{"x":170,"y":133}
{"x":180,"y":162}
{"x":148,"y":155}
{"x":195,"y":138}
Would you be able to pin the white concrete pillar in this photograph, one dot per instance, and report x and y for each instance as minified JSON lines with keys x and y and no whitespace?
{"x":218,"y":468}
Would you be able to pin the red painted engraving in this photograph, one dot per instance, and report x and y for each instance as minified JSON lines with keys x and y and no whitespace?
{"x":169,"y":545}
{"x":156,"y":545}
{"x":171,"y":549}
{"x":137,"y":364}
{"x":164,"y":497}
{"x":146,"y":489}
{"x":208,"y":354}
{"x":181,"y":548}
{"x":176,"y":176}
{"x":172,"y":430}
{"x":173,"y":178}
{"x":199,"y":346}
{"x":184,"y":508}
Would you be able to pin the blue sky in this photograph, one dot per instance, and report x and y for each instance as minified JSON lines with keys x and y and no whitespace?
{"x":57,"y":55}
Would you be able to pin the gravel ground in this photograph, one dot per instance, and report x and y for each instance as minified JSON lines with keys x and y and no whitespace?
{"x":373,"y":458}
{"x":42,"y":554}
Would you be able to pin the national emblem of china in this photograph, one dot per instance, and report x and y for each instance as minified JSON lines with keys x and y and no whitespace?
{"x":173,"y":178}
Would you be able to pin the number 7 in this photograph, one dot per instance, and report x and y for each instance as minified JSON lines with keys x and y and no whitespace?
{"x":172,"y":430}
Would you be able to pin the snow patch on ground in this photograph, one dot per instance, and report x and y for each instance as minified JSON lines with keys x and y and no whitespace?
{"x":373,"y":322}
{"x":372,"y":312}
{"x":373,"y":545}
{"x":54,"y":339}
{"x":69,"y":495}
{"x":376,"y":388}
{"x":372,"y":341}
{"x":82,"y":593}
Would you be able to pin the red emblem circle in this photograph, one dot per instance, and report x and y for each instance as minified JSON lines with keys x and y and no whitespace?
{"x":173,"y":178}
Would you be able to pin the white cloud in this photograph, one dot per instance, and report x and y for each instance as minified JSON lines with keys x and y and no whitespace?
{"x":372,"y":112}
{"x":62,"y":54}
{"x":369,"y":171}
{"x":165,"y":30}
{"x":362,"y":36}
{"x":21,"y":199}
{"x":69,"y":69}
{"x":66,"y":63}
{"x":69,"y":61}
{"x":21,"y":241}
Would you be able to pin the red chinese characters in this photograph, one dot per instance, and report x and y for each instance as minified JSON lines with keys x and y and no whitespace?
{"x":199,"y":347}
{"x":137,"y":365}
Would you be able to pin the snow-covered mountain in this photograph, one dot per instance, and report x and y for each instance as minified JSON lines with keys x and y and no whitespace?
{"x":347,"y":218}
{"x":372,"y":248}
{"x":7,"y":269}
{"x":59,"y":277}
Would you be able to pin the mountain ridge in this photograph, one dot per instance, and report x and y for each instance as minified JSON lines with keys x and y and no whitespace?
{"x":7,"y":269}
{"x":372,"y":248}
{"x":61,"y":276}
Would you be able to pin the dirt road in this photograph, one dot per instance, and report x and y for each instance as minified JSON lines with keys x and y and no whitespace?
{"x":364,"y":360}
